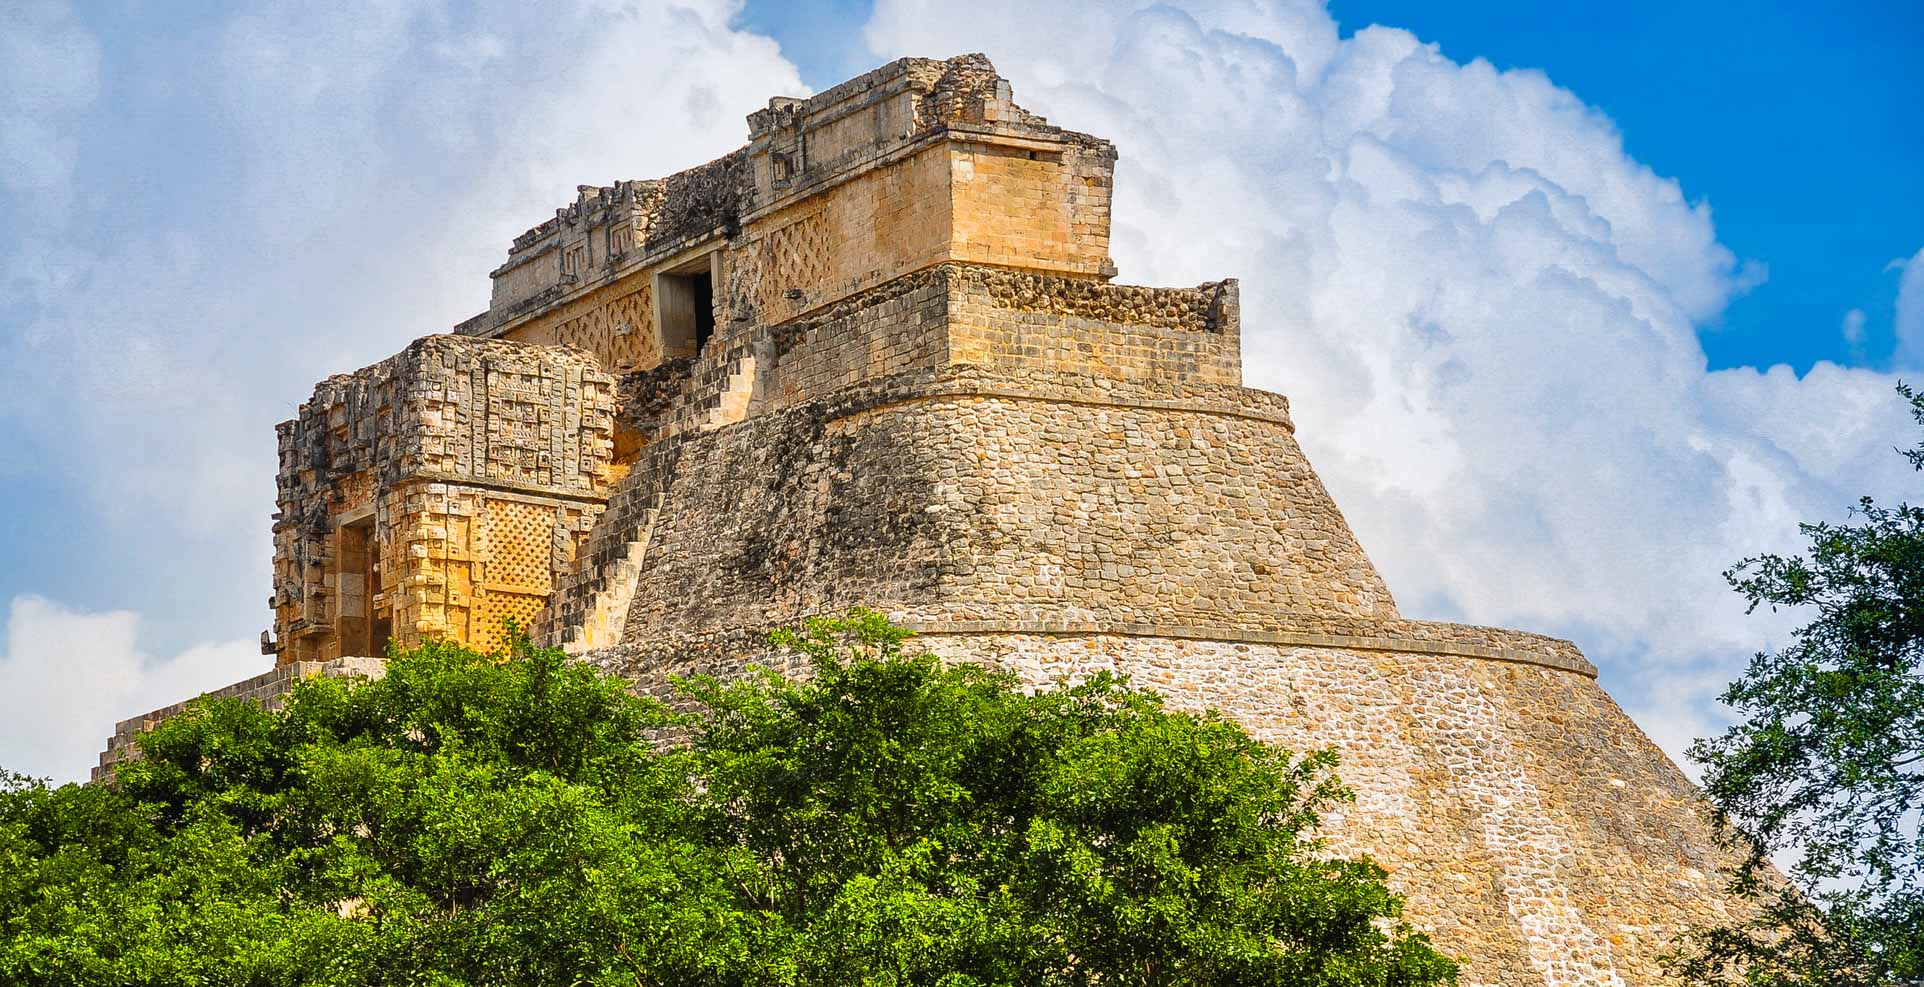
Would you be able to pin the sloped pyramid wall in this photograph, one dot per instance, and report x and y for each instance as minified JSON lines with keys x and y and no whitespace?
{"x":1056,"y":523}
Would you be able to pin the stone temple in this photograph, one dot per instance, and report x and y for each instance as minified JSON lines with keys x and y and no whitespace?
{"x":875,"y":358}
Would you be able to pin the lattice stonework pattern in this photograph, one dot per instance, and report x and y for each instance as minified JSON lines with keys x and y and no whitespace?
{"x":621,"y":332}
{"x":487,"y":629}
{"x":519,"y":539}
{"x":795,"y":254}
{"x":523,"y":546}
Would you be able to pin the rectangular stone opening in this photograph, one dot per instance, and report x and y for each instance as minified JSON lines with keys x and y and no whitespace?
{"x":361,"y":631}
{"x":685,"y":305}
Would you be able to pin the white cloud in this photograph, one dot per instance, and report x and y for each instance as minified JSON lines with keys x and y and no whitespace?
{"x":1852,"y":330}
{"x":66,"y":677}
{"x":49,"y":72}
{"x":1483,"y":310}
{"x":1909,"y":318}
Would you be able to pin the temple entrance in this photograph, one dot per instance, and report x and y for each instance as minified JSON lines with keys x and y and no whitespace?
{"x":358,"y":580}
{"x":685,"y":305}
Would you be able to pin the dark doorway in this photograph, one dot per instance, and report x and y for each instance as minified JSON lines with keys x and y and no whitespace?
{"x":704,"y":288}
{"x":685,"y":306}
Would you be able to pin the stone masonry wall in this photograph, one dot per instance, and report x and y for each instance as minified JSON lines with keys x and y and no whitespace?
{"x":1016,"y":320}
{"x":900,"y":326}
{"x":890,"y":219}
{"x":616,"y":324}
{"x":969,"y":494}
{"x":1538,"y":834}
{"x":1033,"y":207}
{"x":1535,"y":831}
{"x":475,"y":558}
{"x":958,"y":314}
{"x":1011,"y":321}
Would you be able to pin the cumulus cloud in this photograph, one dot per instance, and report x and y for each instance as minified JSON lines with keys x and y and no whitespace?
{"x":1483,"y":309}
{"x":1909,"y":317}
{"x":66,"y":677}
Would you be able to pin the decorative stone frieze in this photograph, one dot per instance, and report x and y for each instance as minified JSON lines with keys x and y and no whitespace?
{"x":435,"y":494}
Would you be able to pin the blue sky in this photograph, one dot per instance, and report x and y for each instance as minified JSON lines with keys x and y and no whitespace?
{"x":1799,"y":123}
{"x":1574,"y":306}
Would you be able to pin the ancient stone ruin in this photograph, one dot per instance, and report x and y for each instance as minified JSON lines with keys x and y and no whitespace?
{"x":875,"y":357}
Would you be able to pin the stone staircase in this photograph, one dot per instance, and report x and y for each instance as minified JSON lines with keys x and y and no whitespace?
{"x":601,"y":593}
{"x":589,"y":607}
{"x":737,"y":390}
{"x":719,"y":391}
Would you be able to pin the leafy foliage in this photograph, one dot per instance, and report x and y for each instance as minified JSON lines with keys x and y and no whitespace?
{"x":1826,"y":765}
{"x":521,"y":819}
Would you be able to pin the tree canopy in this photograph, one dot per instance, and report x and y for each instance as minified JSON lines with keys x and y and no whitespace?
{"x":1827,"y":767}
{"x":523,"y":819}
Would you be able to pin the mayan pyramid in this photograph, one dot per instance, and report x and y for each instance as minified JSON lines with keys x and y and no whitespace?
{"x":875,"y":358}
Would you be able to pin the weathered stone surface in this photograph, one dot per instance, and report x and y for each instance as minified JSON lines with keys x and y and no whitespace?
{"x":1536,"y":831}
{"x":982,"y":496}
{"x":914,"y":164}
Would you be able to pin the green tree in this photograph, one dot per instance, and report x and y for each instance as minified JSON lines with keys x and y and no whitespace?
{"x":523,"y":819}
{"x":1827,"y":766}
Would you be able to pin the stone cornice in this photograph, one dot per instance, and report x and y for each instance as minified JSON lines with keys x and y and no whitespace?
{"x":1459,"y":640}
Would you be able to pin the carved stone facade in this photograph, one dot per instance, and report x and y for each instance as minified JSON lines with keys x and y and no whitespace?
{"x":875,"y":358}
{"x":436,"y":494}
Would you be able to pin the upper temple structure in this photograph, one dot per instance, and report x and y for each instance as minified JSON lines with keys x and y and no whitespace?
{"x":875,"y":357}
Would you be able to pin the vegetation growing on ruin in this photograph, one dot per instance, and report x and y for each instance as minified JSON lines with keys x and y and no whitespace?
{"x":1828,"y":765}
{"x":516,"y":819}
